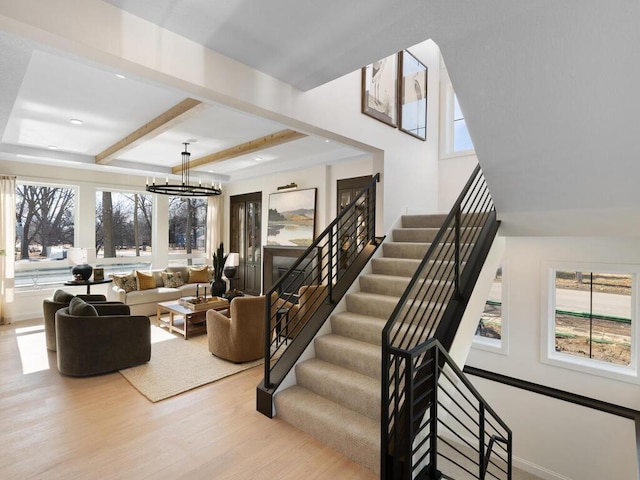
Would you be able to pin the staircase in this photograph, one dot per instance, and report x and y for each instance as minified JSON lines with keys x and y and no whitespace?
{"x":337,"y":396}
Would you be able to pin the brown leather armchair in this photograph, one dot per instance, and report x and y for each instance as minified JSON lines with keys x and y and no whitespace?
{"x":100,"y":338}
{"x":239,"y":337}
{"x":60,"y":300}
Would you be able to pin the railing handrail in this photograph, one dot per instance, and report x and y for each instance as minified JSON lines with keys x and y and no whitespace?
{"x":419,"y":332}
{"x":451,"y":216}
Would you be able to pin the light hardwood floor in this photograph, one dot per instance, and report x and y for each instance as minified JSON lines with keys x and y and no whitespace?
{"x":56,"y":427}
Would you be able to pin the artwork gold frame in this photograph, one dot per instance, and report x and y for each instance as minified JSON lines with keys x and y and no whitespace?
{"x":291,"y":219}
{"x":412,"y":107}
{"x":380,"y":90}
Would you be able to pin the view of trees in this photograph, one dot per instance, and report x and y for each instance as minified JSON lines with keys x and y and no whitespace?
{"x":123,"y":224}
{"x":187,"y":224}
{"x":44,"y":221}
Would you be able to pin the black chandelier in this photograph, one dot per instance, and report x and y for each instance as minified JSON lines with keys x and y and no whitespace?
{"x":185,"y":189}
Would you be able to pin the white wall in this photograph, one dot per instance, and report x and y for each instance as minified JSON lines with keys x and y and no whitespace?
{"x":575,"y":442}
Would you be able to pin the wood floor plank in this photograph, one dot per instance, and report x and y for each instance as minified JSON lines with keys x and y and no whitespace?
{"x":57,"y":427}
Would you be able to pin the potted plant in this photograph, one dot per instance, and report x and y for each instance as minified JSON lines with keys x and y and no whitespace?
{"x":218,"y":285}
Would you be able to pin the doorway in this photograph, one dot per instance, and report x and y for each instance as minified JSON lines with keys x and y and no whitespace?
{"x":350,"y":230}
{"x":246,"y":239}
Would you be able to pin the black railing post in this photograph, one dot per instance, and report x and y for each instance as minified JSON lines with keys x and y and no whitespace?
{"x":482,"y":463}
{"x":330,"y":262}
{"x":408,"y":417}
{"x":433,"y":415}
{"x":457,"y":254}
{"x":267,"y":342}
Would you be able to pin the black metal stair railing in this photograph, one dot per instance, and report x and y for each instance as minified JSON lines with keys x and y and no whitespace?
{"x":431,"y":308}
{"x":302,"y":299}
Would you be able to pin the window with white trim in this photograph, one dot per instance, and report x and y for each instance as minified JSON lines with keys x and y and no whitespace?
{"x":455,"y":138}
{"x":188,"y":227}
{"x":491,"y":332}
{"x":590,"y":321}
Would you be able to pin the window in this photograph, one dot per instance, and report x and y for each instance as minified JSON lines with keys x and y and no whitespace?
{"x":123,"y":224}
{"x":187,"y":226}
{"x":591,"y":319}
{"x":461,"y":139}
{"x":491,"y":331}
{"x":44,"y":231}
{"x":455,"y":137}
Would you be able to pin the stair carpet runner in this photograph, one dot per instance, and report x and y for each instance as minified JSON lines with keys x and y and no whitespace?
{"x":337,"y":396}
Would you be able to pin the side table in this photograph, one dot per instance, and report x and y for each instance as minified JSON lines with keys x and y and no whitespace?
{"x":88,"y":283}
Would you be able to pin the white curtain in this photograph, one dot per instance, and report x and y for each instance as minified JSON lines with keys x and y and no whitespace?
{"x":7,"y":244}
{"x":214,"y":223}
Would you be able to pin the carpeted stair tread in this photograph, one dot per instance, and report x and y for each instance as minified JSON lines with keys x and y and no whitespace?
{"x":392,"y":285}
{"x":359,"y":327}
{"x":353,"y":390}
{"x":423,"y":221}
{"x":416,"y":250}
{"x":354,"y":435}
{"x":419,"y":235}
{"x":349,"y":353}
{"x":399,"y":267}
{"x":371,"y":304}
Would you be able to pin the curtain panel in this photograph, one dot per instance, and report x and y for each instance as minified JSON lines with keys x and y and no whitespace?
{"x":7,"y":244}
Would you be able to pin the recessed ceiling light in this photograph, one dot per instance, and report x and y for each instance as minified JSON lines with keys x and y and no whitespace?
{"x":76,"y":121}
{"x":327,"y":141}
{"x":259,"y":159}
{"x":119,"y":75}
{"x":52,"y":147}
{"x":192,"y":140}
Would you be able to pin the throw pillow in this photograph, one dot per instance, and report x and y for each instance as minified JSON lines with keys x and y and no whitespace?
{"x":80,"y":308}
{"x":126,"y":282}
{"x":199,"y":274}
{"x":61,"y":296}
{"x":172,"y":279}
{"x":145,"y":280}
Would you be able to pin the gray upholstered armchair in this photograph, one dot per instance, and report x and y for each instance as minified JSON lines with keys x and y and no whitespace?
{"x":100,"y":338}
{"x":60,"y":300}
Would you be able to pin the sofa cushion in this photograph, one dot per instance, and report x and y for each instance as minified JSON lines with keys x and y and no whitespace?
{"x":199,"y":274}
{"x":145,"y":280}
{"x":172,"y":279}
{"x":80,"y":308}
{"x":60,"y":296}
{"x":127,"y":282}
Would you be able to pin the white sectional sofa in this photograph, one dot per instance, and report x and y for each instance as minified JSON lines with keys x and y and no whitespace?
{"x":144,"y":301}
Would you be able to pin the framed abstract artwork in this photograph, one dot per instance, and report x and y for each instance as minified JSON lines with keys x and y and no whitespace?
{"x":291,"y":220}
{"x":380,"y":90}
{"x":413,"y":95}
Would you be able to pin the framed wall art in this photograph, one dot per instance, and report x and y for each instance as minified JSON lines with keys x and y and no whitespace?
{"x":413,"y":95}
{"x":292,"y":218}
{"x":380,"y":90}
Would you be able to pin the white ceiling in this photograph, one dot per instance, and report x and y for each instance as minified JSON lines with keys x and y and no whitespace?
{"x":36,"y":118}
{"x":549,"y":91}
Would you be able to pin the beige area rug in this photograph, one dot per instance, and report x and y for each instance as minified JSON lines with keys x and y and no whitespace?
{"x":178,"y":365}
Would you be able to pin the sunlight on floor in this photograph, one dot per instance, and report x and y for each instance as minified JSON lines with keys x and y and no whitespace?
{"x":33,"y":349}
{"x":160,"y":335}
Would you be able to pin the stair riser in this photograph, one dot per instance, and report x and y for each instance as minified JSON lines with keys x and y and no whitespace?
{"x":360,"y":443}
{"x":370,"y":332}
{"x":420,"y":235}
{"x":395,"y":288}
{"x":367,"y":363}
{"x":339,"y":388}
{"x":423,"y":221}
{"x":406,"y":268}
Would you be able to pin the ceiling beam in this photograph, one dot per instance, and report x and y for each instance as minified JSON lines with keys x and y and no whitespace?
{"x":175,"y":115}
{"x":278,"y":138}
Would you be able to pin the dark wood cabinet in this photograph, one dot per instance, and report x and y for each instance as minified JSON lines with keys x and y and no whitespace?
{"x":246,"y":239}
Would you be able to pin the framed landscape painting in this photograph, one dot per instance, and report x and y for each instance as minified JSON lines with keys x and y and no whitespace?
{"x":380,"y":90}
{"x":413,"y":96}
{"x":292,"y":218}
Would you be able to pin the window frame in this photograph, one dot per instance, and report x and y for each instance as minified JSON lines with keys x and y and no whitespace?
{"x":494,"y":345}
{"x":627,"y":373}
{"x":447,"y":120}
